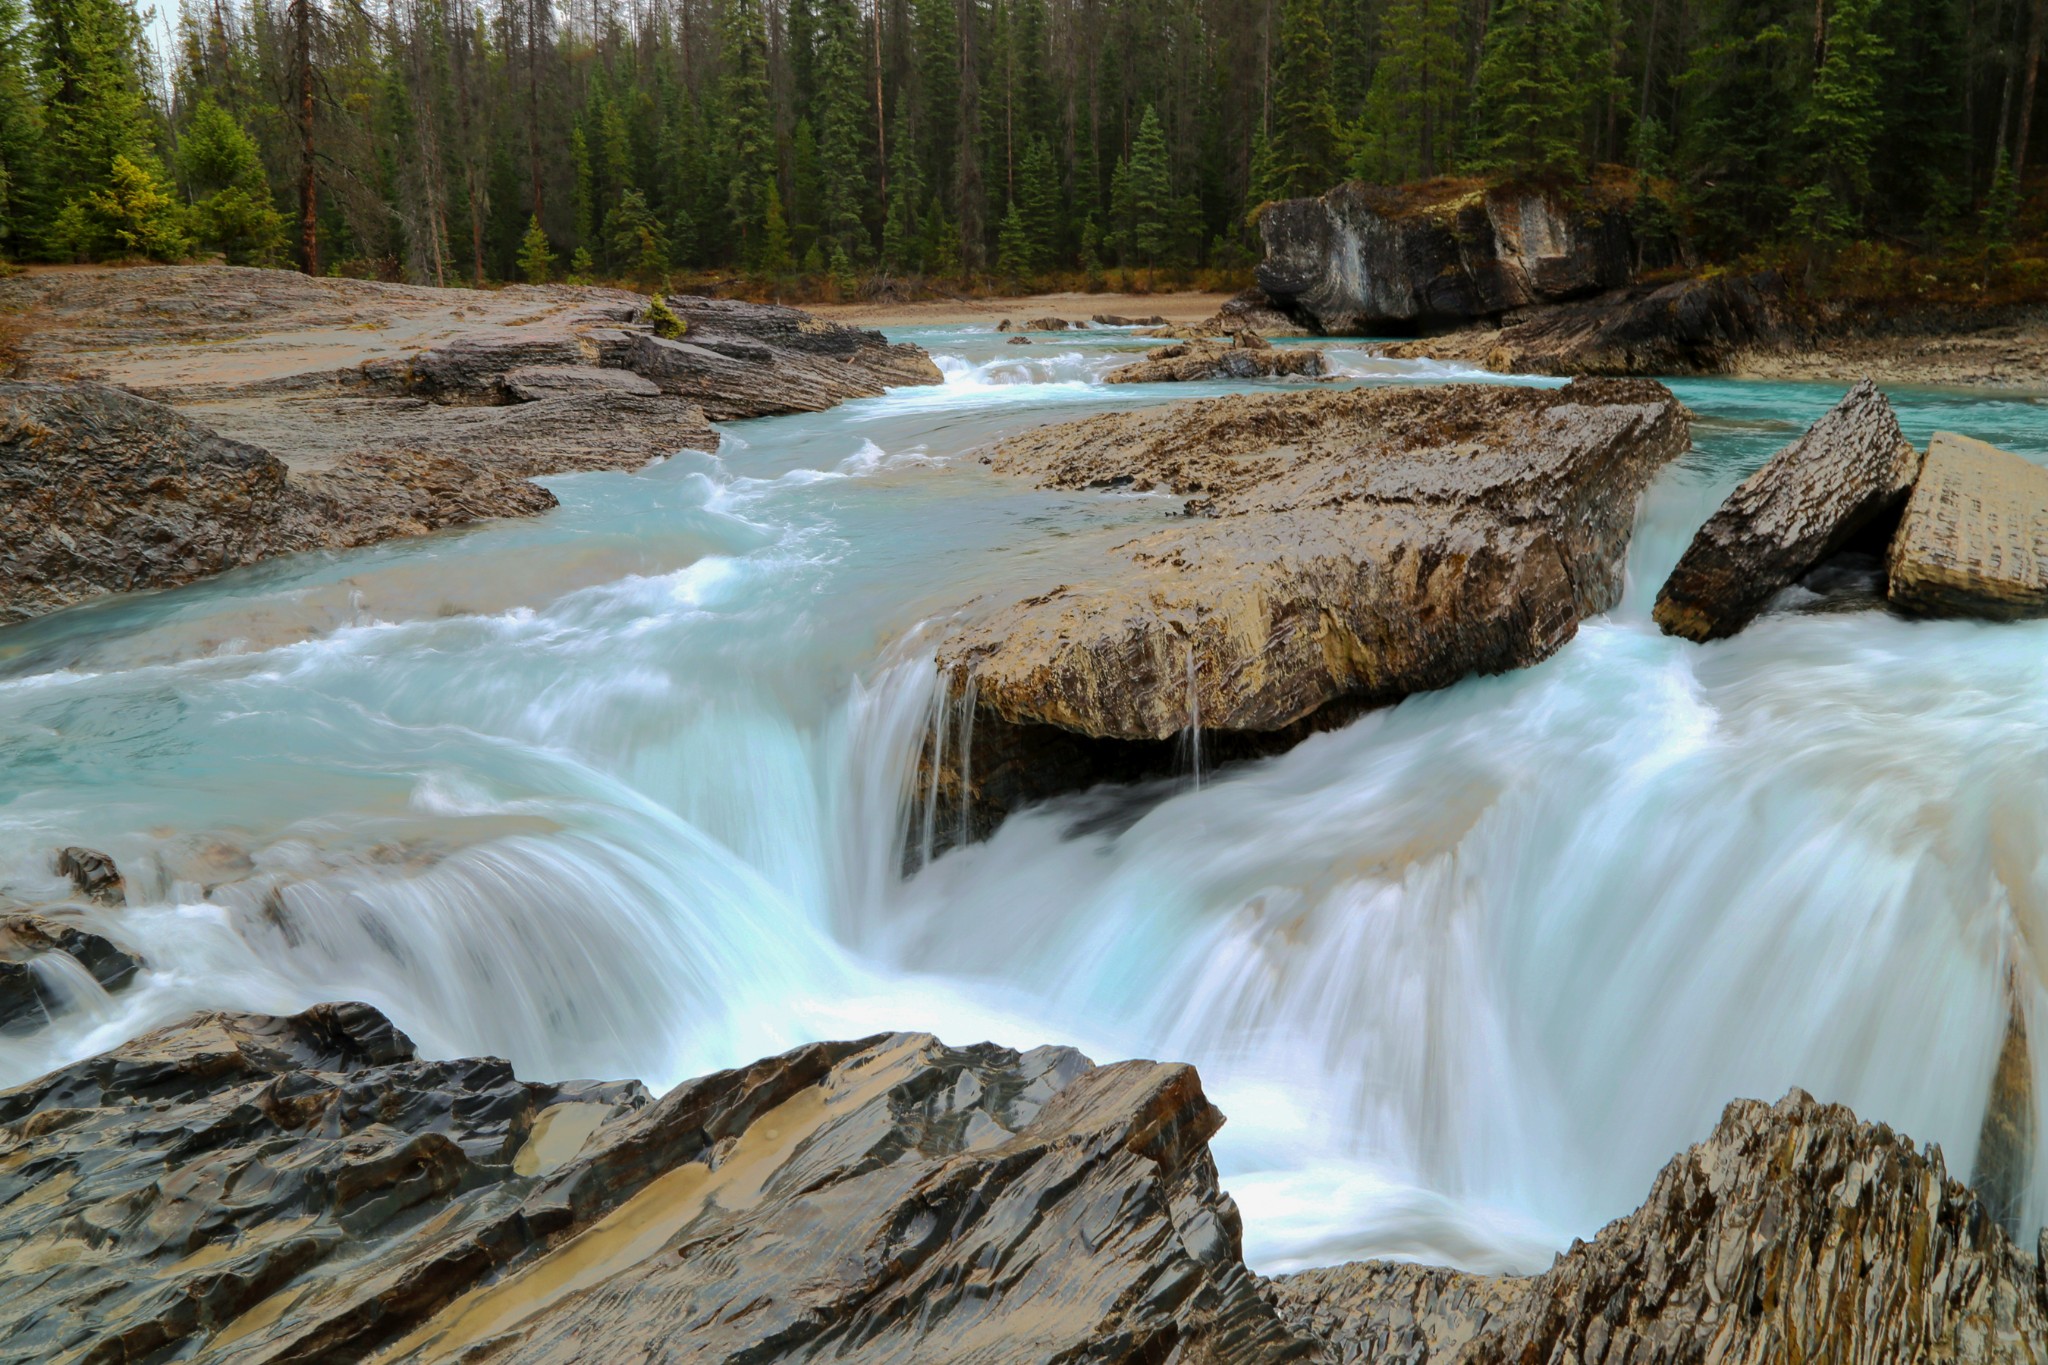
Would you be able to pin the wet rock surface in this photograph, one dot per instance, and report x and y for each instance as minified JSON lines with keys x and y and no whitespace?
{"x":1794,"y":1232}
{"x":1373,"y":259}
{"x":1243,"y":357}
{"x":1335,"y":550}
{"x":247,"y":1188}
{"x":93,"y":874}
{"x":307,"y":1188}
{"x":1846,"y":477}
{"x":33,"y":986}
{"x":335,"y":413}
{"x":1974,"y":537}
{"x":1703,"y":326}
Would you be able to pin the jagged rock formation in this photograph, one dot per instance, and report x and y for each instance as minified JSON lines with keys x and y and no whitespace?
{"x":1243,"y":357}
{"x":1374,"y":259}
{"x":1117,"y":320}
{"x":251,"y":1189}
{"x":1341,"y":549}
{"x":1793,"y":1233}
{"x":1703,"y":326}
{"x":301,"y":1189}
{"x":1974,"y":537}
{"x":334,"y":413}
{"x":1847,"y":476}
{"x":93,"y":873}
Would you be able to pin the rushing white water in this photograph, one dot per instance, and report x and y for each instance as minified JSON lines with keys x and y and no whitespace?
{"x":624,"y":791}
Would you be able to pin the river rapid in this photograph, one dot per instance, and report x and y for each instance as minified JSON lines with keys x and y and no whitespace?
{"x":624,"y":791}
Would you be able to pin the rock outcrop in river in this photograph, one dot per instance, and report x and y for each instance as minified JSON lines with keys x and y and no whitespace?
{"x":305,"y":413}
{"x":1371,"y":260}
{"x":1974,"y":537}
{"x":1848,"y":475}
{"x":1338,"y":550}
{"x":1243,"y":356}
{"x":252,"y":1189}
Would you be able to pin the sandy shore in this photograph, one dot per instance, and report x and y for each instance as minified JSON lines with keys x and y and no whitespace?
{"x":1189,"y":307}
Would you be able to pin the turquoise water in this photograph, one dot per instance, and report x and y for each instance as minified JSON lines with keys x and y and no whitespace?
{"x":623,"y":791}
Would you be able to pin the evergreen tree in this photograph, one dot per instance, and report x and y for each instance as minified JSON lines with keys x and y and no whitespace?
{"x":135,"y":214}
{"x":1534,"y":89}
{"x":749,"y":140}
{"x":842,"y":129}
{"x":1304,"y":137}
{"x":635,"y":239}
{"x":1736,"y":118}
{"x":89,"y":63}
{"x":806,"y":195}
{"x":222,"y":171}
{"x":1840,"y":127}
{"x":901,"y":249}
{"x":1038,"y":203}
{"x":536,"y":257}
{"x":24,"y":203}
{"x":1013,"y":245}
{"x":772,"y":256}
{"x":1409,"y":124}
{"x":1152,"y":205}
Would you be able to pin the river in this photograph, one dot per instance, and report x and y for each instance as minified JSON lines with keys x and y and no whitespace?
{"x":624,"y":791}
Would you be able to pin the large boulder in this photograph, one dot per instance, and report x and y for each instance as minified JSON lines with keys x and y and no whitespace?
{"x":1974,"y":537}
{"x":1373,"y":259}
{"x":1338,"y":550}
{"x":1793,"y":1233}
{"x":1846,"y":477}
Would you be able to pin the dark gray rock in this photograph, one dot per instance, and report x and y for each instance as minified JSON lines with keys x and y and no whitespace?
{"x":1245,"y":357}
{"x":1847,"y":476}
{"x":27,"y":997}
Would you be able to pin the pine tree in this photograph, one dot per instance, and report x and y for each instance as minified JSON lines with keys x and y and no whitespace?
{"x":536,"y":257}
{"x":1533,"y":89}
{"x":24,"y":204}
{"x":749,"y":139}
{"x":773,"y":256}
{"x":1839,"y":128}
{"x":1013,"y":245}
{"x":901,"y":248}
{"x":1038,"y":203}
{"x":89,"y":60}
{"x":1409,"y":123}
{"x":842,"y":129}
{"x":1735,"y":126}
{"x":635,"y":239}
{"x":135,"y":214}
{"x":1151,"y":192}
{"x":1304,"y":120}
{"x":222,"y":171}
{"x":805,"y":193}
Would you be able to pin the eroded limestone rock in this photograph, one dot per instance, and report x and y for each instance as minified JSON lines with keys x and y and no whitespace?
{"x":1339,"y":550}
{"x":1974,"y":537}
{"x":1847,"y":476}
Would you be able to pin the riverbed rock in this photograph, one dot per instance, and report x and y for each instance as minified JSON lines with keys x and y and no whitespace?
{"x":1047,"y":324}
{"x":1019,"y":341}
{"x":1374,"y":259}
{"x":532,"y":383}
{"x":93,"y":873}
{"x":308,"y":1188}
{"x":251,"y":1188}
{"x":1117,"y":320}
{"x":28,"y":998}
{"x":1699,"y":326}
{"x":1245,"y":357}
{"x":1794,"y":1232}
{"x":1336,"y":550}
{"x":1847,"y":476}
{"x":1974,"y":537}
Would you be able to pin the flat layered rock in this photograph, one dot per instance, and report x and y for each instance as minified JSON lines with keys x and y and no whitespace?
{"x":1974,"y":537}
{"x":1848,"y":475}
{"x":1795,"y":1232}
{"x":1338,"y":550}
{"x":531,"y":383}
{"x":1246,"y":358}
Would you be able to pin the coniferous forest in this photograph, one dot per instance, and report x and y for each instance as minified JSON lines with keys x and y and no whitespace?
{"x":456,"y":141}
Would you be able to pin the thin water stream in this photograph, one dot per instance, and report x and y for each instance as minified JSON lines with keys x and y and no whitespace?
{"x":624,"y":790}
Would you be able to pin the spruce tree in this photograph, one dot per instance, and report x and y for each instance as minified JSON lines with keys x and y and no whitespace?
{"x":901,"y":249}
{"x":1013,"y":245}
{"x":231,"y":207}
{"x":1533,"y":89}
{"x":1038,"y":203}
{"x":842,"y":129}
{"x":536,"y":257}
{"x":24,"y":202}
{"x":1304,"y":133}
{"x":749,"y":139}
{"x":88,"y":59}
{"x":1409,"y":123}
{"x":1839,"y":127}
{"x":1151,"y":192}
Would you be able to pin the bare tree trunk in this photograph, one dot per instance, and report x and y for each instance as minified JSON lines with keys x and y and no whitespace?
{"x":309,"y":189}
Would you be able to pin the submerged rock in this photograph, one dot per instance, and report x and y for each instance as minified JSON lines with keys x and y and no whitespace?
{"x":1116,"y":320}
{"x":1846,"y":477}
{"x":28,"y":997}
{"x":1373,"y":259}
{"x":1974,"y":537}
{"x":93,"y":873}
{"x":1340,"y":550}
{"x":1245,"y":357}
{"x":1793,"y":1233}
{"x":238,"y":1187}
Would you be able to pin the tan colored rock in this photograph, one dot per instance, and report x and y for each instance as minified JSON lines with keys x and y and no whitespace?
{"x":1974,"y":538}
{"x":1795,"y":1232}
{"x":1339,"y":549}
{"x":1245,"y":357}
{"x":1847,"y":475}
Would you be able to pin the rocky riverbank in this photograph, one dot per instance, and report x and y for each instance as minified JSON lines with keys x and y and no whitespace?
{"x":177,"y":421}
{"x":248,"y":1188}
